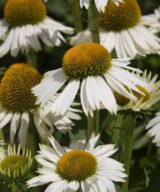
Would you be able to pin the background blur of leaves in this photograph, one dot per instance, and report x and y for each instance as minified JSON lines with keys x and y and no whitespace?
{"x":146,"y":157}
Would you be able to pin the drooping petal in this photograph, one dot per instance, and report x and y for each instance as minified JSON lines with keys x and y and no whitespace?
{"x":65,"y":99}
{"x":14,"y":126}
{"x":49,"y":86}
{"x":23,"y":130}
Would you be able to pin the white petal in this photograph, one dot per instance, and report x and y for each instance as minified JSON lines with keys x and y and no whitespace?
{"x":92,"y":142}
{"x":44,"y":162}
{"x":73,"y":185}
{"x":85,"y":186}
{"x":85,"y":104}
{"x":65,"y":99}
{"x":48,"y":153}
{"x":154,"y":121}
{"x":46,"y":177}
{"x":101,"y":186}
{"x":108,"y":40}
{"x":5,"y":47}
{"x":47,"y":88}
{"x":84,"y":3}
{"x":15,"y":46}
{"x":101,"y":4}
{"x":92,"y":93}
{"x":22,"y":134}
{"x":119,"y":88}
{"x":107,"y":96}
{"x":6,"y":120}
{"x":32,"y":37}
{"x":58,"y":186}
{"x":108,"y":150}
{"x":109,"y":184}
{"x":41,"y":127}
{"x":56,"y":146}
{"x":14,"y":126}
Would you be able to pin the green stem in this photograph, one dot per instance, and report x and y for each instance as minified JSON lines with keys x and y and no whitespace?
{"x":14,"y":188}
{"x":93,"y":123}
{"x":129,"y":125}
{"x":118,"y":135}
{"x":31,"y":58}
{"x":77,"y":15}
{"x":93,"y":17}
{"x":79,"y":190}
{"x":97,"y":117}
{"x":33,"y":137}
{"x":2,"y":135}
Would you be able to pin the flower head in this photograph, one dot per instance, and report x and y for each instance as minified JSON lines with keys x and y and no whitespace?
{"x":24,"y":23}
{"x":95,"y":61}
{"x":15,"y":161}
{"x":20,"y":12}
{"x":88,"y":67}
{"x":15,"y":88}
{"x":122,"y":29}
{"x":18,"y":105}
{"x":80,"y":166}
{"x":144,"y":101}
{"x":126,"y":16}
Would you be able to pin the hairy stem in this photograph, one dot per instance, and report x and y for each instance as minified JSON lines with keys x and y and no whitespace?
{"x":118,"y":135}
{"x":31,"y":58}
{"x":93,"y":22}
{"x":129,"y":125}
{"x":91,"y":126}
{"x":77,"y":15}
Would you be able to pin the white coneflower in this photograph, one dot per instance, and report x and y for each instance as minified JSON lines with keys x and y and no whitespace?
{"x":151,"y":95}
{"x":152,"y":21}
{"x":15,"y":161}
{"x":88,"y":67}
{"x":18,"y":105}
{"x":100,"y":4}
{"x":79,"y":166}
{"x":154,"y":129}
{"x":25,"y":23}
{"x":122,"y":30}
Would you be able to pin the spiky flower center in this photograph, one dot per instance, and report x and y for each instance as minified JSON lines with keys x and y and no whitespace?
{"x":122,"y":100}
{"x":23,"y":12}
{"x":76,"y":165}
{"x":86,"y":59}
{"x":14,"y":162}
{"x":15,"y":88}
{"x":13,"y":165}
{"x":124,"y":16}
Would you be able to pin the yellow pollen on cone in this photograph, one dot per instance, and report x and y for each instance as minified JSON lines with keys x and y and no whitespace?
{"x":76,"y":165}
{"x":122,"y":17}
{"x":122,"y":100}
{"x":23,"y":12}
{"x":15,"y":87}
{"x":86,"y":59}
